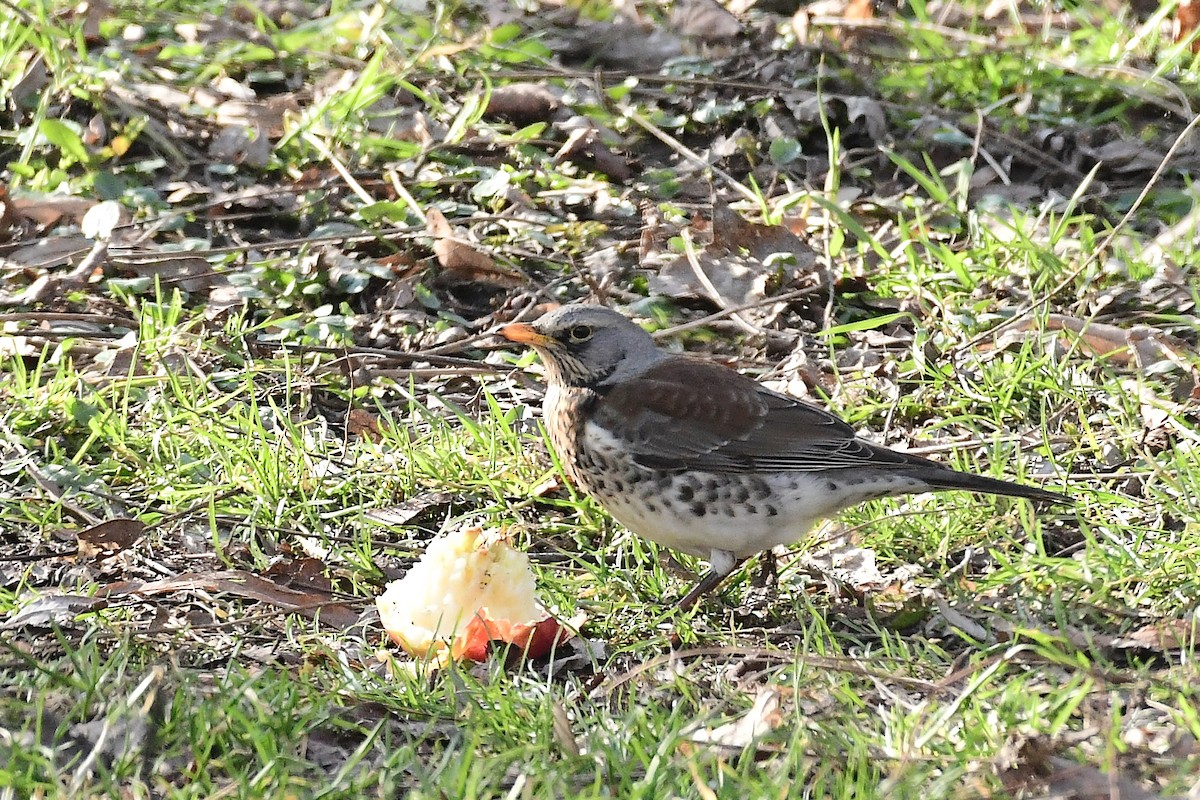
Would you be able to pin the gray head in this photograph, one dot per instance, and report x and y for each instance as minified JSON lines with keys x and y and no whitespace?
{"x":583,"y":345}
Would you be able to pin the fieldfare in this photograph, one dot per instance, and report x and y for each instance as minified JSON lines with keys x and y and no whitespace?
{"x":700,"y":458}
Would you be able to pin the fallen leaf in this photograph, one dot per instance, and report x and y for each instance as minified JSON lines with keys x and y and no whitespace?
{"x":1141,"y":346}
{"x":743,"y":262}
{"x":191,"y":273}
{"x":303,"y":574}
{"x":1036,"y":765}
{"x":361,"y":422}
{"x":523,"y":103}
{"x":109,"y":537}
{"x":706,"y":20}
{"x":620,"y":44}
{"x":52,"y":610}
{"x":241,"y":145}
{"x":239,"y":583}
{"x":460,"y":261}
{"x":1167,"y":634}
{"x":103,"y":218}
{"x":412,"y":509}
{"x":1187,"y":18}
{"x":762,"y":717}
{"x":585,"y":146}
{"x":49,"y":210}
{"x":809,"y":107}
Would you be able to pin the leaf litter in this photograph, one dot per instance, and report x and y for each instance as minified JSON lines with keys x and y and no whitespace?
{"x":225,"y":227}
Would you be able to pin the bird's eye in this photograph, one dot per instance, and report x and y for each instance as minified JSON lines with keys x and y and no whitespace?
{"x":580,"y":333}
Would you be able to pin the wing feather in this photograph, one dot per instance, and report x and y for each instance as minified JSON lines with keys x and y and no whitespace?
{"x":691,"y":414}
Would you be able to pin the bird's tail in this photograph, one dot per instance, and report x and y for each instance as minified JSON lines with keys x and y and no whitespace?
{"x":941,"y":479}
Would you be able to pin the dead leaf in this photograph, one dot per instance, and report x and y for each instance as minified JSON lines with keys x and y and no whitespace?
{"x":93,"y":13}
{"x":1187,"y":18}
{"x":584,"y":145}
{"x":1125,"y":155}
{"x":414,"y":508}
{"x":239,"y":583}
{"x":9,"y":218}
{"x":109,"y":537}
{"x":47,"y":210}
{"x":1036,"y":765}
{"x":17,"y":346}
{"x":807,"y":108}
{"x":523,"y":103}
{"x":36,"y":77}
{"x":103,"y":218}
{"x":619,"y":45}
{"x":763,"y":717}
{"x":241,"y":145}
{"x":361,"y":422}
{"x":561,"y":727}
{"x":191,"y":273}
{"x":265,"y":116}
{"x":462,"y":262}
{"x":742,"y":263}
{"x":706,"y":20}
{"x":860,"y":10}
{"x":52,"y":610}
{"x":1167,"y":634}
{"x":1140,"y":346}
{"x":304,"y":574}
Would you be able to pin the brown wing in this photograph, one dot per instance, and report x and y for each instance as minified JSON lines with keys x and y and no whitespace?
{"x":690,"y":414}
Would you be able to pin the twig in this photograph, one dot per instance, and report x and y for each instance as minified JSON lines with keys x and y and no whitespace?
{"x":690,"y":155}
{"x":689,"y":249}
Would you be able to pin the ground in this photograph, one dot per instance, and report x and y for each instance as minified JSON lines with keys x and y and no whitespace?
{"x":253,"y":261}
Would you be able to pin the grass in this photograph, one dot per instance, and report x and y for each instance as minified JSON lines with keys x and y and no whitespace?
{"x":327,"y":395}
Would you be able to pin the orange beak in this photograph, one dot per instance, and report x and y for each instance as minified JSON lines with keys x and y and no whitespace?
{"x":525,"y":334}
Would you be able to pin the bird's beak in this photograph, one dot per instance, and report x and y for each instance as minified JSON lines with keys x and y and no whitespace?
{"x":525,"y":334}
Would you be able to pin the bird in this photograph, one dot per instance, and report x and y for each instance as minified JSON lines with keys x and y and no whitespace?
{"x":700,"y":458}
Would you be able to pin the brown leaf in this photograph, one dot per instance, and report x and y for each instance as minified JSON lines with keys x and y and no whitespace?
{"x":461,"y":261}
{"x":1036,"y":765}
{"x":93,"y":12}
{"x":264,"y":116}
{"x":304,"y":574}
{"x":412,"y":509}
{"x":24,"y":91}
{"x":48,"y":211}
{"x":1187,"y":18}
{"x":706,"y":20}
{"x":190,"y":273}
{"x":361,"y":422}
{"x":523,"y":103}
{"x":584,"y":145}
{"x":1167,"y":634}
{"x":736,"y":267}
{"x":808,"y":107}
{"x":9,"y":218}
{"x":1140,"y":347}
{"x":241,"y":145}
{"x":109,"y":537}
{"x":311,"y":605}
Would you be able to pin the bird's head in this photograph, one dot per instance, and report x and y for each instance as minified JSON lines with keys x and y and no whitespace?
{"x":584,"y":345}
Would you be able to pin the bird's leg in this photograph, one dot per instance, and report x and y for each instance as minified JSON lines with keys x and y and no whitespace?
{"x":723,"y":564}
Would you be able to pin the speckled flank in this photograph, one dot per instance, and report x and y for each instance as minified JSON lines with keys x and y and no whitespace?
{"x":700,"y":512}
